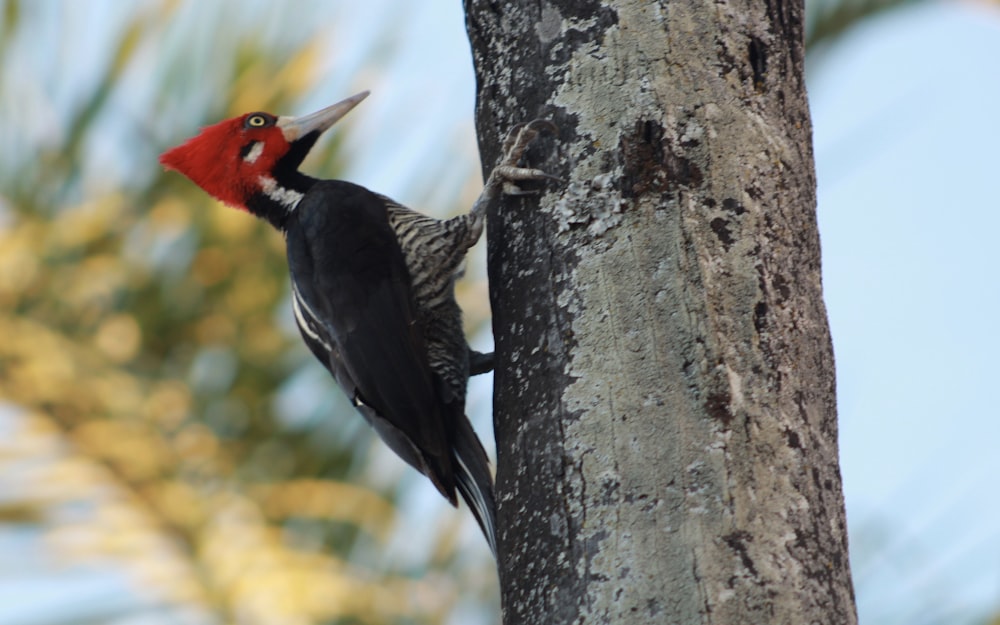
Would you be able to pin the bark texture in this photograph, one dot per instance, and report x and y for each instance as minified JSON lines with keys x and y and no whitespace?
{"x":664,"y":406}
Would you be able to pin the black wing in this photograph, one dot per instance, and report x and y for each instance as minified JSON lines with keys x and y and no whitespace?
{"x":355,"y":309}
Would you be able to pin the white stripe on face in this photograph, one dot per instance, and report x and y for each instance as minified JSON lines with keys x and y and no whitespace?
{"x":254,"y":153}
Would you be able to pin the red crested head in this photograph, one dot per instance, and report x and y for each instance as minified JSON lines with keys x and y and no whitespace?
{"x":252,"y":154}
{"x":226,"y":159}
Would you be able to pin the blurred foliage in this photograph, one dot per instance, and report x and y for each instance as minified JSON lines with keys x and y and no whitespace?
{"x":146,"y":346}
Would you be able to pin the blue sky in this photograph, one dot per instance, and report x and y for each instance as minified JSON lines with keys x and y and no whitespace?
{"x":906,"y":114}
{"x":905,"y":111}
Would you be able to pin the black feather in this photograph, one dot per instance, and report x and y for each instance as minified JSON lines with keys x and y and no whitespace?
{"x":357,"y":311}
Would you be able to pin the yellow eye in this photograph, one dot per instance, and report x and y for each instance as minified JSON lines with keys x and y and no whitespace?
{"x":259,"y":120}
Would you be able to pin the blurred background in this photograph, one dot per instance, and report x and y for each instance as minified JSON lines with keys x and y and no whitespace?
{"x":171,"y":454}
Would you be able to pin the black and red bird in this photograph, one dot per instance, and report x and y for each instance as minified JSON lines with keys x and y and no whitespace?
{"x":372,"y":285}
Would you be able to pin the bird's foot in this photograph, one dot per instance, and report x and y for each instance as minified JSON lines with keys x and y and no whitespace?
{"x":479,"y":362}
{"x":508,"y":171}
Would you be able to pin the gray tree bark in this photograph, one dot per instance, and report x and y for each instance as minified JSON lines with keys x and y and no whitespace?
{"x":664,"y":405}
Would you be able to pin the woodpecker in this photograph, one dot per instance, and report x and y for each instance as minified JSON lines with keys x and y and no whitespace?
{"x":372,"y":285}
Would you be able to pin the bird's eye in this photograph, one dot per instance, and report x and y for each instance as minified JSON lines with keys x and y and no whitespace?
{"x":259,"y":120}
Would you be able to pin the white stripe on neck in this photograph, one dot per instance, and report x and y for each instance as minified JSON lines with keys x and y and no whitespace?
{"x":289,"y":198}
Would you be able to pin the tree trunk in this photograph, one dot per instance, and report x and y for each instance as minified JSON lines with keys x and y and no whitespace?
{"x":664,"y":406}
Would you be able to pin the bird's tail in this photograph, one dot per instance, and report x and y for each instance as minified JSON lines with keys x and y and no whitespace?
{"x":475,"y":484}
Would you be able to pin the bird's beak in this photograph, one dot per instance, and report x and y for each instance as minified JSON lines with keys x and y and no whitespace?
{"x":295,"y":128}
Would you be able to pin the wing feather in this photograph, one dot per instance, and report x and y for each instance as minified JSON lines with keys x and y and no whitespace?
{"x":355,"y":308}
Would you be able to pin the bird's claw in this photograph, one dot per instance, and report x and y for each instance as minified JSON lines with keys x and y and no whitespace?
{"x":480,"y":363}
{"x":521,"y":135}
{"x":507,"y":173}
